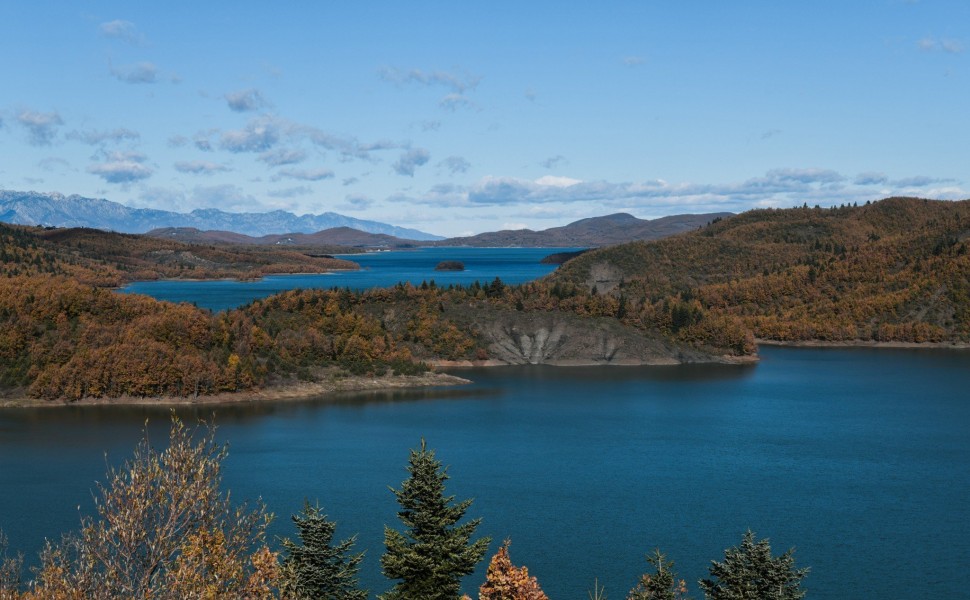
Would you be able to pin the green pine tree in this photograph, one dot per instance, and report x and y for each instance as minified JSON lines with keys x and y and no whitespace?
{"x":750,"y":572}
{"x":661,"y":585}
{"x":435,"y":552}
{"x":319,"y":569}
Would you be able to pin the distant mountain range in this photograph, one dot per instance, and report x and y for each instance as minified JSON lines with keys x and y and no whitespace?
{"x":596,"y":231}
{"x":33,"y":208}
{"x":335,"y":236}
{"x":328,"y":229}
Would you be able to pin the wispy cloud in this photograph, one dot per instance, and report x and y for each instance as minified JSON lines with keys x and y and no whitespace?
{"x":202,"y":140}
{"x":143,"y":72}
{"x":633,"y":61}
{"x":41,"y":127}
{"x":122,"y":167}
{"x":226,"y":197}
{"x":356,"y":202}
{"x":199,"y":167}
{"x":948,"y":45}
{"x":411,"y":160}
{"x":53,"y":163}
{"x":291,"y":192}
{"x":94,"y":137}
{"x":455,"y":101}
{"x":455,"y":165}
{"x":778,"y":187}
{"x":264,"y":132}
{"x":282,"y":156}
{"x":457,"y":83}
{"x":554,"y":161}
{"x":259,"y":135}
{"x":125,"y":31}
{"x":245,"y":100}
{"x":870,"y":178}
{"x":304,"y":174}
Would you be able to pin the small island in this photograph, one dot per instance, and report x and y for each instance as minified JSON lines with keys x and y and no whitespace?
{"x":450,"y":265}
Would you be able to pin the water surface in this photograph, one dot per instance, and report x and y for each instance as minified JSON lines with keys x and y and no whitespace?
{"x":377,"y":269}
{"x":858,"y":457}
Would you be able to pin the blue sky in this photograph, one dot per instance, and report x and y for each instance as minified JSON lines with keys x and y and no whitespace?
{"x":462,"y":117}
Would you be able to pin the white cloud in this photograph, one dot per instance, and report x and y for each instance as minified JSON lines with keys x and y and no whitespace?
{"x":556,"y":181}
{"x":633,"y":61}
{"x":41,"y":127}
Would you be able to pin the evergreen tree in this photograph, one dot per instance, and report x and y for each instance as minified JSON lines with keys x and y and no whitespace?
{"x":319,"y":569}
{"x":435,"y":552}
{"x":661,"y":585}
{"x":750,"y":572}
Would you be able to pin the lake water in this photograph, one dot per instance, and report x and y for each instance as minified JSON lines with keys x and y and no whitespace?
{"x":377,"y":269}
{"x":860,"y":458}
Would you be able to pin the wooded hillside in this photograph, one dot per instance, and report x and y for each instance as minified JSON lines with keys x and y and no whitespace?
{"x":893,"y":270}
{"x":111,"y":259}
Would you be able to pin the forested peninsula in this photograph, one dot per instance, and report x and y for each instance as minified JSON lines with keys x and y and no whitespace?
{"x":896,"y":270}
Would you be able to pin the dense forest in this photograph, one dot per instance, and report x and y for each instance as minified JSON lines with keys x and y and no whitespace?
{"x":164,"y":528}
{"x":897,"y":270}
{"x":108,"y":259}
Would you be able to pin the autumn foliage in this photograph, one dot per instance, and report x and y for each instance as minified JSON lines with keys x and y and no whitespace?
{"x":505,"y":581}
{"x":897,"y":270}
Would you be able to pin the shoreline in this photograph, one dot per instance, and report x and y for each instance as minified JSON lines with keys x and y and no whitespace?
{"x":290,"y":392}
{"x":299,"y":391}
{"x":863,"y":344}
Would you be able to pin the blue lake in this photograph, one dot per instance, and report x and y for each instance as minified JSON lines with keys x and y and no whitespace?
{"x":377,"y":269}
{"x":860,"y":458}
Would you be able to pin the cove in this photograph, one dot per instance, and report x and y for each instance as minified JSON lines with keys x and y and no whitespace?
{"x":860,"y":458}
{"x":377,"y":269}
